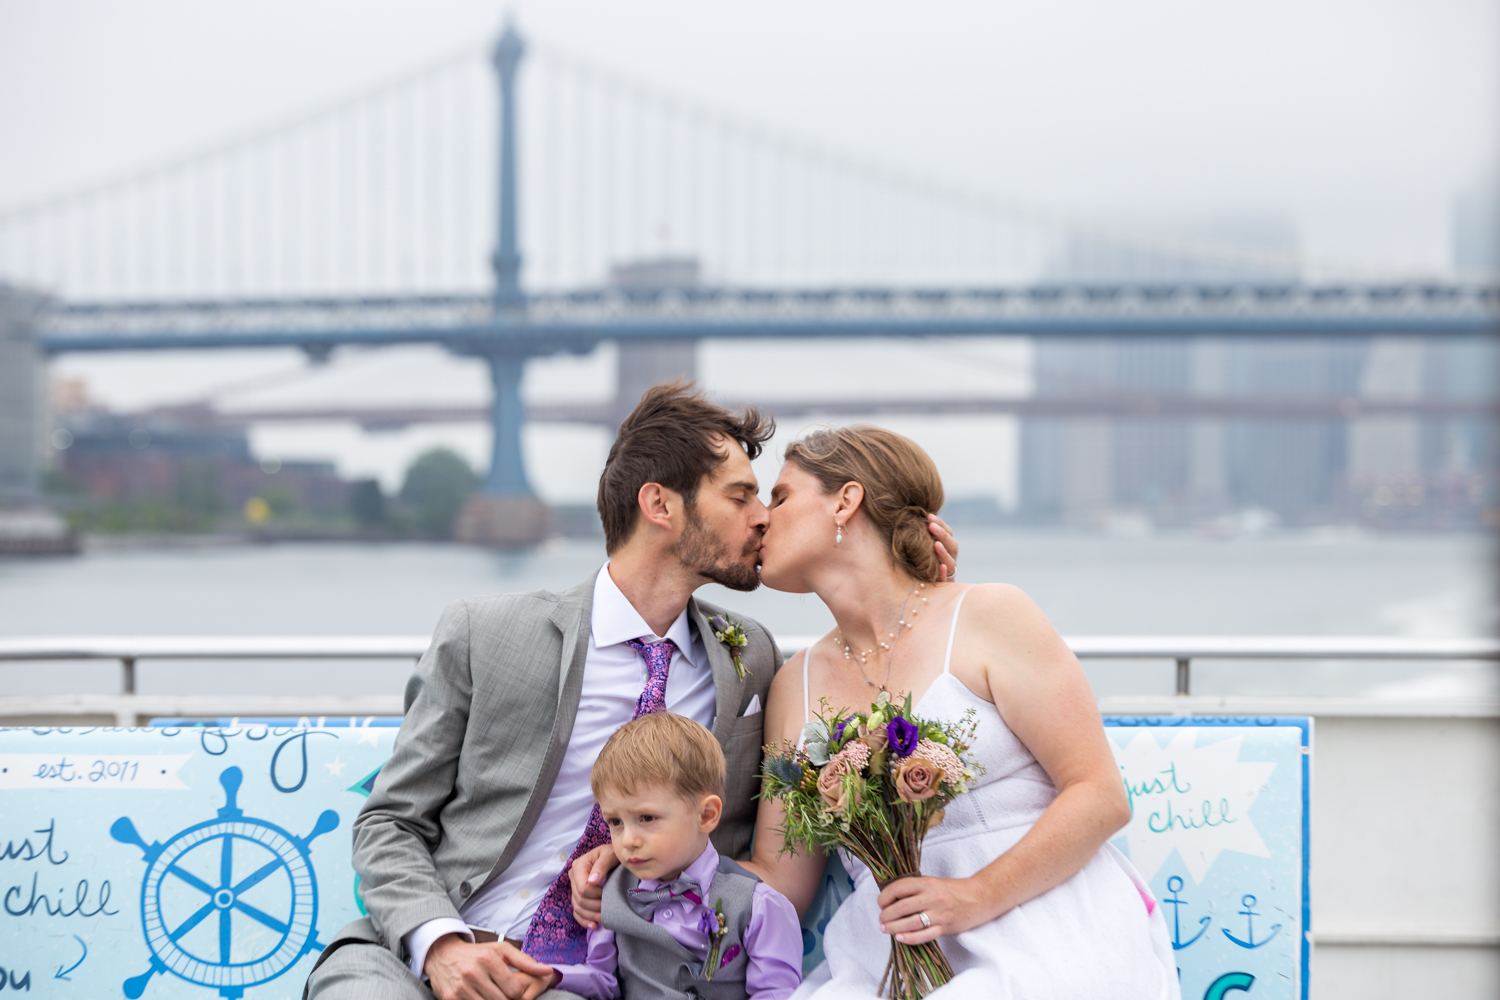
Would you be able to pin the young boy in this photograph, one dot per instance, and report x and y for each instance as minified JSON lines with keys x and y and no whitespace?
{"x":678,"y":920}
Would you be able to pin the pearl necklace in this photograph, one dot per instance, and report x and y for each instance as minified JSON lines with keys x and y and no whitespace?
{"x":895,"y":636}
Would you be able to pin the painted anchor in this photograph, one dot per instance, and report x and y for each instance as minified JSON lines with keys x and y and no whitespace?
{"x":1174,"y":884}
{"x":1249,"y":914}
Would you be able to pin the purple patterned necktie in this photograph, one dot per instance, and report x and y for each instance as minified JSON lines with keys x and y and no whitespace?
{"x":554,"y":937}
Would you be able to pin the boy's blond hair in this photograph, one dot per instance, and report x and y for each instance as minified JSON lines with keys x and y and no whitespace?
{"x":661,"y":749}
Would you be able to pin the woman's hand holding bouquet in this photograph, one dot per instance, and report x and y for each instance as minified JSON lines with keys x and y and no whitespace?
{"x":874,"y":783}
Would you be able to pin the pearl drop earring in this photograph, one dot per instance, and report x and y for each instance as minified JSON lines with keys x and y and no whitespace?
{"x":838,"y":537}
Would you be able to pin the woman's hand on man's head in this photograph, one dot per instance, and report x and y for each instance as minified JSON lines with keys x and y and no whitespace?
{"x":587,"y":876}
{"x":946,"y":547}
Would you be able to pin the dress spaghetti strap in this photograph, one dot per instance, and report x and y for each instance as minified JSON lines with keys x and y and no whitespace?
{"x":952,"y":631}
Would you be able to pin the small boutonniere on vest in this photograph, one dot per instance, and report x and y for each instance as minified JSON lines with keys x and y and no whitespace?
{"x":733,"y":636}
{"x":714,"y":926}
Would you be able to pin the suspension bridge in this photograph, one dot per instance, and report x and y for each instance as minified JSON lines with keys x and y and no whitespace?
{"x":652,"y":221}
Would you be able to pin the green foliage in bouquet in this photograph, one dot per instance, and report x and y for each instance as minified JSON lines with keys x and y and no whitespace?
{"x":874,"y":783}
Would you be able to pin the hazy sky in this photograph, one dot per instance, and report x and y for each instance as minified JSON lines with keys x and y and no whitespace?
{"x":1361,"y":121}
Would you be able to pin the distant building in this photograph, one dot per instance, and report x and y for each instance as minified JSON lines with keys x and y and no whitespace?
{"x":22,"y":399}
{"x":644,"y":363}
{"x":1476,"y":230}
{"x":1387,"y":470}
{"x":656,"y":272}
{"x":187,"y":456}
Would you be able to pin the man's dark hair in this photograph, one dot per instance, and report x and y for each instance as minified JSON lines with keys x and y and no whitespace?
{"x":669,"y":439}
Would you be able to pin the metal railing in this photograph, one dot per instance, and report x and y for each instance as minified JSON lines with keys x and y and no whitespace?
{"x":128,"y":651}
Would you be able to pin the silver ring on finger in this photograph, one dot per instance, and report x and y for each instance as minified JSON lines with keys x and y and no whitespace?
{"x":926,"y":923}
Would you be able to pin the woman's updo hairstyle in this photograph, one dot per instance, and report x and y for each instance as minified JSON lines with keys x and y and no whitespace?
{"x":900,"y":481}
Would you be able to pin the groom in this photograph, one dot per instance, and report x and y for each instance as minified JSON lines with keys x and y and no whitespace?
{"x":464,"y":846}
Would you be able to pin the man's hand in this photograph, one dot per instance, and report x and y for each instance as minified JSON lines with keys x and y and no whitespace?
{"x":460,"y":970}
{"x":587,"y":877}
{"x":946,"y":547}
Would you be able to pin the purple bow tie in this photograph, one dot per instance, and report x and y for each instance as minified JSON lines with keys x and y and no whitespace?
{"x":645,"y":901}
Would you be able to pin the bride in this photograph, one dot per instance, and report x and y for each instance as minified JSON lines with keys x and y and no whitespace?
{"x":1019,"y":881}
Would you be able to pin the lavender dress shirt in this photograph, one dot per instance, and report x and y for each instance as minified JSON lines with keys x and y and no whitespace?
{"x":773,"y":940}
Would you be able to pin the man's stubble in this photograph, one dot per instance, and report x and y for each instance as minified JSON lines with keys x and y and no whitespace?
{"x":704,"y":553}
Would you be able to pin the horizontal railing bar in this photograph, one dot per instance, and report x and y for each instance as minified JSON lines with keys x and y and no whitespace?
{"x":1169,"y":647}
{"x":1257,"y":647}
{"x":1408,"y":937}
{"x":127,"y":709}
{"x":223,"y":647}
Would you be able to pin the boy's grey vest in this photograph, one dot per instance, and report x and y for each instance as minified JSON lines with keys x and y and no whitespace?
{"x":653,"y":965}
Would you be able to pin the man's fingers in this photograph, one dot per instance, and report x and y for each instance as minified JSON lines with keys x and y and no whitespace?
{"x":518,"y":959}
{"x":496,"y":964}
{"x":478,"y":980}
{"x":587,"y":914}
{"x":461,"y":970}
{"x":586,"y":877}
{"x":588,"y":901}
{"x":604,"y":863}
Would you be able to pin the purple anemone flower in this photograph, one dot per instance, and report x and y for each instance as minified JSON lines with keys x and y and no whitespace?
{"x":903,"y":736}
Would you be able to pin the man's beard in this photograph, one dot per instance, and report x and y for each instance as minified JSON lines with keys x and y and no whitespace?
{"x":703,"y":553}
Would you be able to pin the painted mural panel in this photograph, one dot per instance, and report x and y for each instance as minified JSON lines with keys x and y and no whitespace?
{"x":1218,"y":827}
{"x":175,"y":862}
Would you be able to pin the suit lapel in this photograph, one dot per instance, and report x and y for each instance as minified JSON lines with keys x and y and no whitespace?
{"x":573,"y":618}
{"x":728,"y":688}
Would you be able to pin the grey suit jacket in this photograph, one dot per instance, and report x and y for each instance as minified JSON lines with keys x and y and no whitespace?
{"x":489,"y":712}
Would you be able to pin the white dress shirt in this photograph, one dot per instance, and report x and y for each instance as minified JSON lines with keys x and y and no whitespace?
{"x":614,"y":675}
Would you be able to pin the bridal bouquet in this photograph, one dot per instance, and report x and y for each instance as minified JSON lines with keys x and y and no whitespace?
{"x":874,"y":783}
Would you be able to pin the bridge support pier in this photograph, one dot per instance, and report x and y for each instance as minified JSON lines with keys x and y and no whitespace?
{"x":506,"y":511}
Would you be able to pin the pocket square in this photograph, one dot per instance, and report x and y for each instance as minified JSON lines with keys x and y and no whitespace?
{"x":753,"y":707}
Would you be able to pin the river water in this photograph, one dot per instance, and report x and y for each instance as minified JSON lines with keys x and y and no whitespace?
{"x":1320,"y":583}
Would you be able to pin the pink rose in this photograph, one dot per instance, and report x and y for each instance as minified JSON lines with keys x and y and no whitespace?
{"x":917,"y":780}
{"x":836,"y":793}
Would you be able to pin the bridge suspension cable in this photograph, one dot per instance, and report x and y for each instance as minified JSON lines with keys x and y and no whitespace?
{"x":391,"y":191}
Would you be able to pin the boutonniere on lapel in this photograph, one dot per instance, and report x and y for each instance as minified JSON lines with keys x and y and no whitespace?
{"x":733,"y":636}
{"x":715,"y":927}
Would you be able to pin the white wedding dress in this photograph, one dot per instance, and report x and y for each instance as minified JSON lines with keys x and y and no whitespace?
{"x":1089,"y":938}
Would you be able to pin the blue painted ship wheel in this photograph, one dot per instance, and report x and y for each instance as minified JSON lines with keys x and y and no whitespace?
{"x":230,"y":903}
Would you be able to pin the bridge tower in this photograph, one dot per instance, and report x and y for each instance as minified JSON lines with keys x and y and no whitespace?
{"x":506,"y":511}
